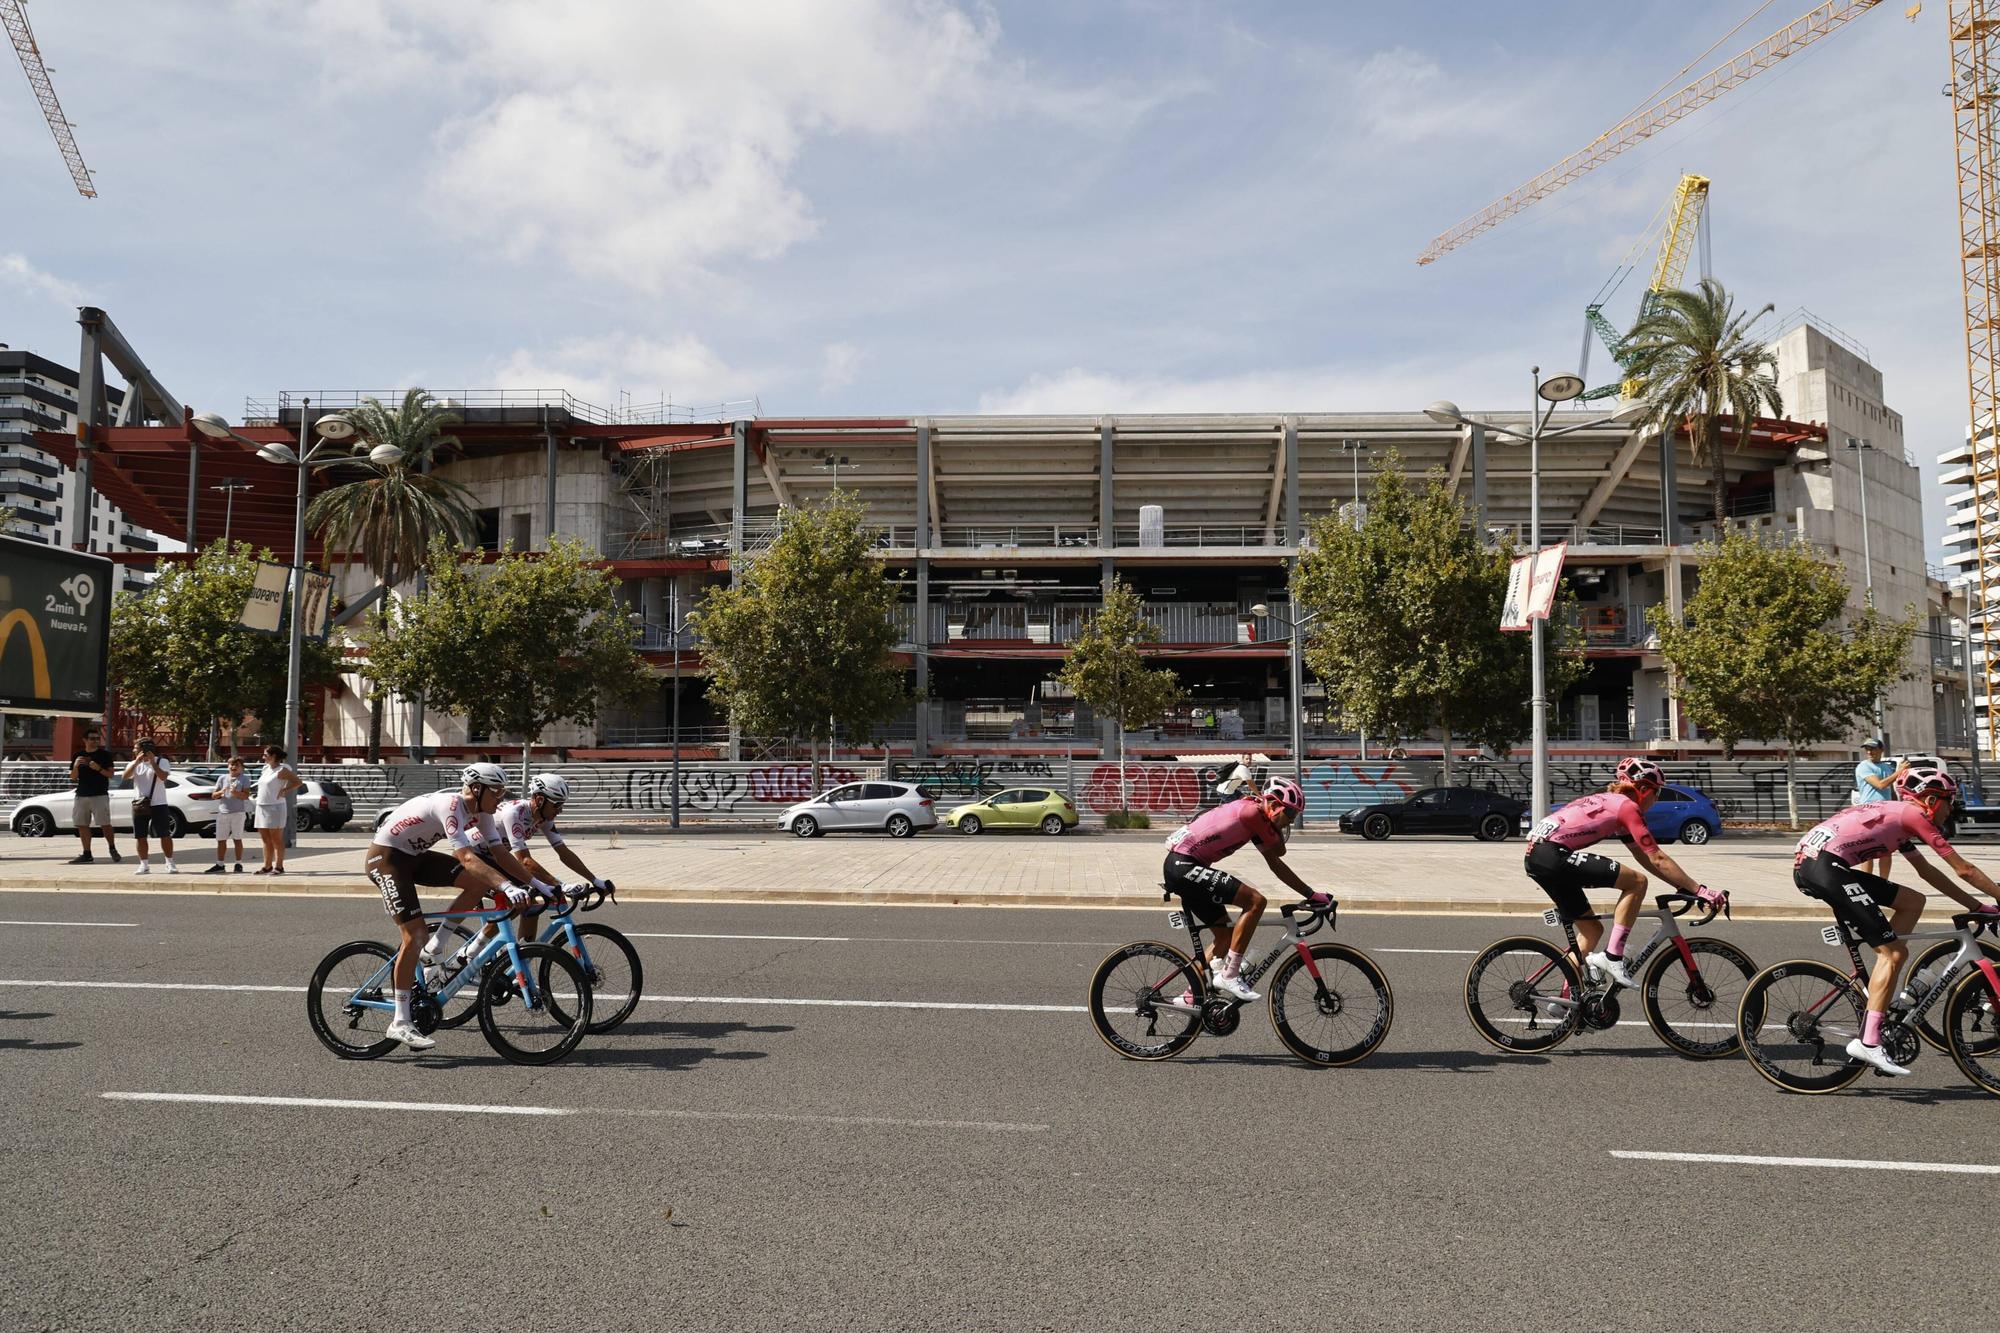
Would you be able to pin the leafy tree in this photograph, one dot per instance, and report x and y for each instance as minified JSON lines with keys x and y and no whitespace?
{"x":180,"y":653}
{"x":801,"y":644}
{"x":515,"y":646}
{"x":1106,"y":670}
{"x":1407,"y":634}
{"x":1764,"y":653}
{"x":1696,"y":360}
{"x":390,"y":515}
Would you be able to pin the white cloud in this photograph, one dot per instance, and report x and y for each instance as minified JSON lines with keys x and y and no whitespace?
{"x":646,"y":143}
{"x":1404,"y":96}
{"x":17,"y":272}
{"x":839,"y":364}
{"x":1354,"y":387}
{"x":684,"y":371}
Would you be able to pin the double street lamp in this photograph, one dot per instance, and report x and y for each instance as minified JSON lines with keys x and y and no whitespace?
{"x":1552,"y":391}
{"x":316,"y":453}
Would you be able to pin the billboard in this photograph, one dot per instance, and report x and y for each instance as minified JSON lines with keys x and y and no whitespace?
{"x":55,"y":629}
{"x":1531,"y":586}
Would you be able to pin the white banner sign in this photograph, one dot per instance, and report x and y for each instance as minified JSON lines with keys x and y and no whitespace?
{"x":1531,"y":587}
{"x":318,"y":596}
{"x":265,"y":609}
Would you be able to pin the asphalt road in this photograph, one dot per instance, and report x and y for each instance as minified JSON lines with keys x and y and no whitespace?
{"x":733,"y":1164}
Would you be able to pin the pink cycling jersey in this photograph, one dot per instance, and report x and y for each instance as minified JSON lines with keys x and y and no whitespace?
{"x":1592,"y":819}
{"x":1862,"y":832}
{"x":1218,"y":832}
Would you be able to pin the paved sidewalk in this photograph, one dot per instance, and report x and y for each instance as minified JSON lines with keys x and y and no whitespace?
{"x":1081,"y":870}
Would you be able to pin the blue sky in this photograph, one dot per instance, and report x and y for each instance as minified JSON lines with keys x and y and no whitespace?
{"x":907,"y":206}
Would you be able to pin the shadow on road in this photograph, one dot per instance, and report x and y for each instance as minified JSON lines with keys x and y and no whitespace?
{"x":616,"y":1050}
{"x":1449,"y":1062}
{"x":9,"y":1013}
{"x":24,"y":1044}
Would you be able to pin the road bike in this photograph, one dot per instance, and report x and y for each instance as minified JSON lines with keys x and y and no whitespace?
{"x":1797,"y":1016}
{"x":533,"y":1007}
{"x":1330,"y":1003}
{"x":1524,"y":994}
{"x":608,"y":959}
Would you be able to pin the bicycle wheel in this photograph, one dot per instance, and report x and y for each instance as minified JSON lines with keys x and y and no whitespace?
{"x":1515,"y":993}
{"x":1923,"y":973}
{"x":614,"y":972}
{"x":1133,"y":1001}
{"x":1337,"y":1018}
{"x":1972,"y":1030}
{"x":546,"y":1030}
{"x":1695,"y":1012}
{"x":358,"y":970}
{"x":1795,"y":1021}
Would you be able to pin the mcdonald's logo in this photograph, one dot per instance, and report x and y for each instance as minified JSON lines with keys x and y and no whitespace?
{"x":38,"y":656}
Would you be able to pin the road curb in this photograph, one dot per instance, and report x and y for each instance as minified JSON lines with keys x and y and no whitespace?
{"x":342,"y":886}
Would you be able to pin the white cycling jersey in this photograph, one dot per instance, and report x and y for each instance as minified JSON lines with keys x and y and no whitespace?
{"x":518,"y":824}
{"x":420,"y":821}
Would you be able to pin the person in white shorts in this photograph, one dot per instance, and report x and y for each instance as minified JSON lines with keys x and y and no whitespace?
{"x":274,"y":783}
{"x":232,"y":797}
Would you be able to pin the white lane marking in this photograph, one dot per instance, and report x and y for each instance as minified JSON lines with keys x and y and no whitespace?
{"x":1744,"y":1159}
{"x":1465,"y":952}
{"x":338,"y":1103}
{"x":904,"y":939}
{"x":654,"y":999}
{"x":759,"y":1117}
{"x":681,"y":935}
{"x":127,"y":925}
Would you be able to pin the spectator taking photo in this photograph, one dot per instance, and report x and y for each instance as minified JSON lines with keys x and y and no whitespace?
{"x":91,"y":772}
{"x":151,"y":815}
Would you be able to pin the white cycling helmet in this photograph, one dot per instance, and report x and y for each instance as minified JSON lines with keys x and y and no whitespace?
{"x":550,"y":787}
{"x":483,"y":775}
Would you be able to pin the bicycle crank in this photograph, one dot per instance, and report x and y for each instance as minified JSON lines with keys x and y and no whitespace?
{"x":1221,"y":1017}
{"x":1600,"y":1012}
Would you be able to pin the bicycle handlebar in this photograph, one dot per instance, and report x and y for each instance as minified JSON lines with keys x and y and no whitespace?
{"x":1979,"y":923}
{"x":1317,"y":916}
{"x":1680,"y":904}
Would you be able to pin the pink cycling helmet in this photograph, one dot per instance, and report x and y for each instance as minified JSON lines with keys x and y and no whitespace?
{"x":1921,"y":785}
{"x":1641,"y":772}
{"x":1285,"y":794}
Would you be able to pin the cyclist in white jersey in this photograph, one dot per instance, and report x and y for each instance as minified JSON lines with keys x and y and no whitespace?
{"x":519,"y":820}
{"x":400,"y":859}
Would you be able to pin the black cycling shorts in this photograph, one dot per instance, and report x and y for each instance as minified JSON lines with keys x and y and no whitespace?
{"x":398,"y":873}
{"x":1564,"y":875}
{"x":1856,"y":897}
{"x":1205,"y":890}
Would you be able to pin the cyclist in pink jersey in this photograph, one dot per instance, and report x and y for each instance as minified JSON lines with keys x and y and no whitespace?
{"x":1824,"y":867}
{"x":1558,"y":861}
{"x":1190,"y":871}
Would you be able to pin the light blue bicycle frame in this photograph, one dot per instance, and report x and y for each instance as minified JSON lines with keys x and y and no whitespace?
{"x":504,"y":938}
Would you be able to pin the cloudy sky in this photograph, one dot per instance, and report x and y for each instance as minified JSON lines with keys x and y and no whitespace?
{"x":906,"y":206}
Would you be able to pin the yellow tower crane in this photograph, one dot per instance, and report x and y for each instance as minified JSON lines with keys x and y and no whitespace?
{"x":15,"y":17}
{"x":1683,"y":213}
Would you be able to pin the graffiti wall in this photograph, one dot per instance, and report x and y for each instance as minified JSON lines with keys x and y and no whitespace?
{"x":968,"y":778}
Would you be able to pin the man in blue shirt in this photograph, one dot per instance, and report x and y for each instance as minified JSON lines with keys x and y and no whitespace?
{"x":1875,"y":780}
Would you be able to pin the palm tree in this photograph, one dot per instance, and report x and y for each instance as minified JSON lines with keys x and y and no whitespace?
{"x":1695,"y":361}
{"x":389,"y":516}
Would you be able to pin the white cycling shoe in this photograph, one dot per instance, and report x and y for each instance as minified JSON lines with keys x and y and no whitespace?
{"x":1614,"y":968}
{"x":1875,"y":1055}
{"x":1230,"y":985}
{"x":403,"y":1030}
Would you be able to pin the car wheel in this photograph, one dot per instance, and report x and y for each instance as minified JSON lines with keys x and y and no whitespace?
{"x":177,"y":824}
{"x":1694,"y":833}
{"x":970,"y":824}
{"x":1495,"y":828}
{"x":302,"y":820}
{"x":805,"y":826}
{"x":1053,"y":826}
{"x":902,"y":826}
{"x":35,"y":823}
{"x":1376,"y":827}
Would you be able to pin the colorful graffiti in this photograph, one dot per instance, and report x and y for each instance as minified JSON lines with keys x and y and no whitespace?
{"x":969,"y":777}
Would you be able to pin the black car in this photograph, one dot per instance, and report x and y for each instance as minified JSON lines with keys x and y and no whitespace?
{"x":1486,"y":815}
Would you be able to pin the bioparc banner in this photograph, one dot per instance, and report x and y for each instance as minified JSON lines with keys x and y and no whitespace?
{"x":55,"y":629}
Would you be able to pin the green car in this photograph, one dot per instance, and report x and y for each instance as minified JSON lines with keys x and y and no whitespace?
{"x":1017,"y":807}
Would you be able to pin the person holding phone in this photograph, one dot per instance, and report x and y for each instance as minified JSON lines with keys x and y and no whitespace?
{"x":91,"y":772}
{"x":150,"y":812}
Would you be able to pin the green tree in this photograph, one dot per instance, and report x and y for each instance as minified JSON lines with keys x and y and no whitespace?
{"x":1106,"y":669}
{"x":801,"y":644}
{"x":515,"y":646}
{"x":388,"y":517}
{"x":180,"y":653}
{"x":1407,"y":635}
{"x":1765,"y":652}
{"x":1697,"y":361}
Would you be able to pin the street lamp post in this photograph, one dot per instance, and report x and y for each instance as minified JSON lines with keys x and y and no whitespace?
{"x":1296,"y":690}
{"x":1553,"y":391}
{"x":834,"y":463}
{"x":1354,"y":449}
{"x":331,"y":430}
{"x":229,"y":487}
{"x":1861,"y":450}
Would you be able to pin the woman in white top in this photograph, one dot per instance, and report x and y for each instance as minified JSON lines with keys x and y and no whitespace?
{"x":275,"y":782}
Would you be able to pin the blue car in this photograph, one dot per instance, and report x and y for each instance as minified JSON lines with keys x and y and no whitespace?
{"x":1682,"y":814}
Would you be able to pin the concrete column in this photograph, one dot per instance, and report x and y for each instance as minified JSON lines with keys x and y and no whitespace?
{"x":1670,"y":527}
{"x":1107,"y":438}
{"x":1293,"y":530}
{"x":739,"y":489}
{"x":549,"y":515}
{"x":1675,"y":609}
{"x":89,"y":415}
{"x":1478,"y":448}
{"x":921,"y":746}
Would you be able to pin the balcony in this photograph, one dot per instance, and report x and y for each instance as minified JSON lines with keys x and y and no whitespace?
{"x":1616,"y":627}
{"x":1061,"y":622}
{"x":1595,"y":534}
{"x":136,"y":540}
{"x":27,"y":462}
{"x":35,"y":418}
{"x":649,"y":637}
{"x":18,"y":486}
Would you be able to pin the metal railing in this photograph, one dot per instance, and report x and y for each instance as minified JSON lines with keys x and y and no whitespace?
{"x":272,"y":410}
{"x":1060,"y":622}
{"x":1595,"y":534}
{"x":660,"y":637}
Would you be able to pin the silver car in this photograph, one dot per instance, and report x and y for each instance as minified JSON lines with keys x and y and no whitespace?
{"x":895,"y":808}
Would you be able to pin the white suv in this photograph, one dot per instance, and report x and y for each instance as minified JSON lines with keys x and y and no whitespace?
{"x":895,"y":808}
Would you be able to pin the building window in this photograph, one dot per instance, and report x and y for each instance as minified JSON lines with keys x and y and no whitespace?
{"x":521,"y":531}
{"x":487,"y":528}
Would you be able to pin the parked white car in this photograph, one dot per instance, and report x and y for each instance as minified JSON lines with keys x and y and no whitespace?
{"x":895,"y":808}
{"x":45,"y":816}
